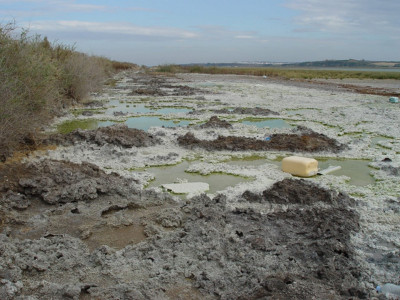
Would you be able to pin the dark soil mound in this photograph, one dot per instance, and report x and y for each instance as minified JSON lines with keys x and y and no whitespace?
{"x":298,"y":191}
{"x":305,"y":141}
{"x":256,"y":111}
{"x":119,"y":135}
{"x":60,"y":182}
{"x":216,"y":122}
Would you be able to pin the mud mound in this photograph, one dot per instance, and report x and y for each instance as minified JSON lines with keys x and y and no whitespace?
{"x":118,"y":134}
{"x":216,"y":122}
{"x":149,"y":85}
{"x":62,"y":182}
{"x":207,"y":252}
{"x":291,"y":191}
{"x":301,"y":253}
{"x":304,"y":142}
{"x":165,"y":90}
{"x":255,"y":111}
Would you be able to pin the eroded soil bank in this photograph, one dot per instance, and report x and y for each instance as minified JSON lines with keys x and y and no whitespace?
{"x":304,"y":140}
{"x":77,"y":221}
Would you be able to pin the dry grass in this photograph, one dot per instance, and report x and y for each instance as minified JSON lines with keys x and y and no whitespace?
{"x":286,"y":73}
{"x":37,"y":79}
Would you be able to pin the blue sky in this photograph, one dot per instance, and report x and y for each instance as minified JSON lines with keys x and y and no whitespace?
{"x":176,"y":31}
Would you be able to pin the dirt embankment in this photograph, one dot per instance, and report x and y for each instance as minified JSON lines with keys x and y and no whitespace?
{"x":118,"y":134}
{"x":303,"y":139}
{"x":56,"y":182}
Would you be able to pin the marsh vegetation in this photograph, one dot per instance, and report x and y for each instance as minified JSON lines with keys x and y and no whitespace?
{"x":39,"y":79}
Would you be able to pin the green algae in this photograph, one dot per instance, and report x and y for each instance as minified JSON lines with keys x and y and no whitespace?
{"x":69,"y":126}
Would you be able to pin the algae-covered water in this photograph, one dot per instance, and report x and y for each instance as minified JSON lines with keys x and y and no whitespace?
{"x":171,"y":174}
{"x":69,"y":126}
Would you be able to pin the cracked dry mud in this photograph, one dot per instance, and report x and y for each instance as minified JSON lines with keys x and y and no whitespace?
{"x":78,"y":223}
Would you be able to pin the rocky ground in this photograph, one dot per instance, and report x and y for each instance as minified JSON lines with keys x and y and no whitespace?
{"x":78,"y":221}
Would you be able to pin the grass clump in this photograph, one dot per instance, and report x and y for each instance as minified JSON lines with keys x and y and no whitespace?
{"x":37,"y":80}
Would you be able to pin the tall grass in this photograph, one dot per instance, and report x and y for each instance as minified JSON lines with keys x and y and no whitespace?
{"x":37,"y":78}
{"x":286,"y":73}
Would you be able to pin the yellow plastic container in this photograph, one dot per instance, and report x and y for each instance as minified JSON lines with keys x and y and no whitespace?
{"x":300,"y":166}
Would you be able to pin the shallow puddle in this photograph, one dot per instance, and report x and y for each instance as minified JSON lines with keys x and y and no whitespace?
{"x":357,"y":169}
{"x":170,"y":174}
{"x":270,"y":123}
{"x":116,"y":237}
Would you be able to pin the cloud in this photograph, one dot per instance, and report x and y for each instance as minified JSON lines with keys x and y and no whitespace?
{"x":212,"y":32}
{"x":244,"y":37}
{"x":109,"y":29}
{"x":59,"y":5}
{"x":48,"y":7}
{"x":347,"y":16}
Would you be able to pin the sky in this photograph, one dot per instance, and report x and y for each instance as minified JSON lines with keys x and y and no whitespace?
{"x":156,"y":32}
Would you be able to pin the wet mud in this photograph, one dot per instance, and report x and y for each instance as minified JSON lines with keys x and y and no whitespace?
{"x":300,"y":250}
{"x":148,"y":85}
{"x":304,"y":140}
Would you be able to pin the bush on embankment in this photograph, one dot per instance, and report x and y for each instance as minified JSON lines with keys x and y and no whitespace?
{"x":37,"y":79}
